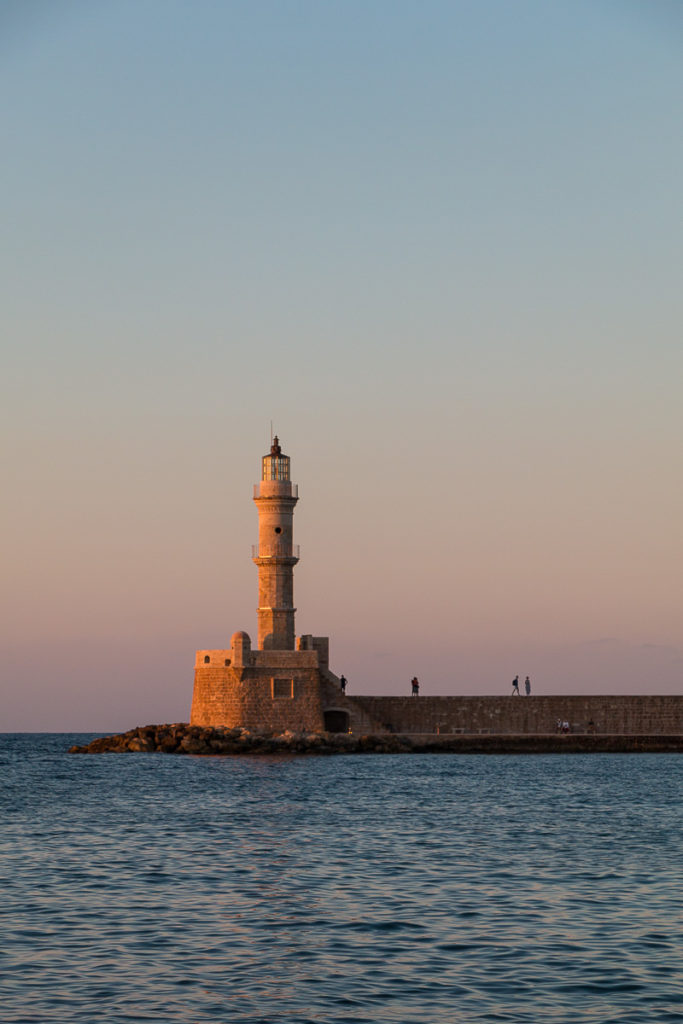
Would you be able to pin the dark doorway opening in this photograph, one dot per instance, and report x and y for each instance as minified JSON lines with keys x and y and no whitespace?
{"x":336,"y":721}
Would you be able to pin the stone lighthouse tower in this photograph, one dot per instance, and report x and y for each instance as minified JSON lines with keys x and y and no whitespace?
{"x":275,"y":554}
{"x":285,"y":681}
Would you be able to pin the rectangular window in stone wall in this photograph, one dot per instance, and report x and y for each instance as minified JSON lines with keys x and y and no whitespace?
{"x":283,"y":687}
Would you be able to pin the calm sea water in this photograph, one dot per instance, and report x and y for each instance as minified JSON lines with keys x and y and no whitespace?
{"x":435,"y":888}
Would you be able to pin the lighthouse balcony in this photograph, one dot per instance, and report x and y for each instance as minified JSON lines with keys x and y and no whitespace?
{"x":275,"y":551}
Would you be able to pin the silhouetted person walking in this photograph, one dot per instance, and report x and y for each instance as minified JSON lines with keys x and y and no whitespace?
{"x":515,"y":686}
{"x":342,"y":683}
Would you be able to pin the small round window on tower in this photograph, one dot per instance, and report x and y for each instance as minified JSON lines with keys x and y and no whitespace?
{"x":278,"y":529}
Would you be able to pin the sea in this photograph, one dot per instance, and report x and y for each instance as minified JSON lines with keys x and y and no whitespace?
{"x":412,"y":889}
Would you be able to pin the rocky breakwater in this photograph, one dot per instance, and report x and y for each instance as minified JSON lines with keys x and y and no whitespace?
{"x":199,"y":740}
{"x":207,"y":741}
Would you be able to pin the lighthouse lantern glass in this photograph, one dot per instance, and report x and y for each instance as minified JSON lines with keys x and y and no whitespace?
{"x":275,"y":467}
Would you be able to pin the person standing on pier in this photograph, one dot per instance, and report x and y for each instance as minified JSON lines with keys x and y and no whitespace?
{"x":415,"y":687}
{"x":527,"y":686}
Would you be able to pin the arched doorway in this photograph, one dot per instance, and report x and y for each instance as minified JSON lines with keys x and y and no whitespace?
{"x":336,"y":720}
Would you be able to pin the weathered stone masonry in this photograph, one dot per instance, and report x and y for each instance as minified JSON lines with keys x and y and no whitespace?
{"x":660,"y":715}
{"x":264,"y":690}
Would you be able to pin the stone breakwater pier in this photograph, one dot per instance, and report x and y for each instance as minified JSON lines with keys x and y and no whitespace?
{"x":403,"y":725}
{"x":599,"y":714}
{"x":194,"y":740}
{"x":420,"y":725}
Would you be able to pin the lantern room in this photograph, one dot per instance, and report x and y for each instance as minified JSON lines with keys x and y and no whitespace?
{"x":276,"y":465}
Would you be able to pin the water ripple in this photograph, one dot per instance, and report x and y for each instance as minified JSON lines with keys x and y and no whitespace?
{"x":380,"y":889}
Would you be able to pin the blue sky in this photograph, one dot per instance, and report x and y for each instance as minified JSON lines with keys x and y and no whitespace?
{"x":438,"y":244}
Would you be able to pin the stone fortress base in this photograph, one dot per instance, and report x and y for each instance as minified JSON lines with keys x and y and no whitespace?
{"x":264,"y":690}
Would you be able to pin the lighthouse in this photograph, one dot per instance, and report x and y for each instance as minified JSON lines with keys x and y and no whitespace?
{"x":275,"y":555}
{"x":284,"y":682}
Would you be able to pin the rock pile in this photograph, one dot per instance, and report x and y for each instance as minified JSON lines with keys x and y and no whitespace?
{"x":204,"y":740}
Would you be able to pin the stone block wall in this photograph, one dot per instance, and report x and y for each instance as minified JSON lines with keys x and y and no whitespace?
{"x":656,"y":715}
{"x":269,"y":694}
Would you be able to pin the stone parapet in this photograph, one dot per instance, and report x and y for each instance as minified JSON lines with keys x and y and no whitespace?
{"x":213,"y":657}
{"x":284,"y":659}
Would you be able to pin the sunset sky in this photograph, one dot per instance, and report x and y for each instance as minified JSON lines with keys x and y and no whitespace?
{"x":438,"y":244}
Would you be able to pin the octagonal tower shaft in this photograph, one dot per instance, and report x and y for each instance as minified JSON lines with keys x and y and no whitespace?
{"x":275,"y":497}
